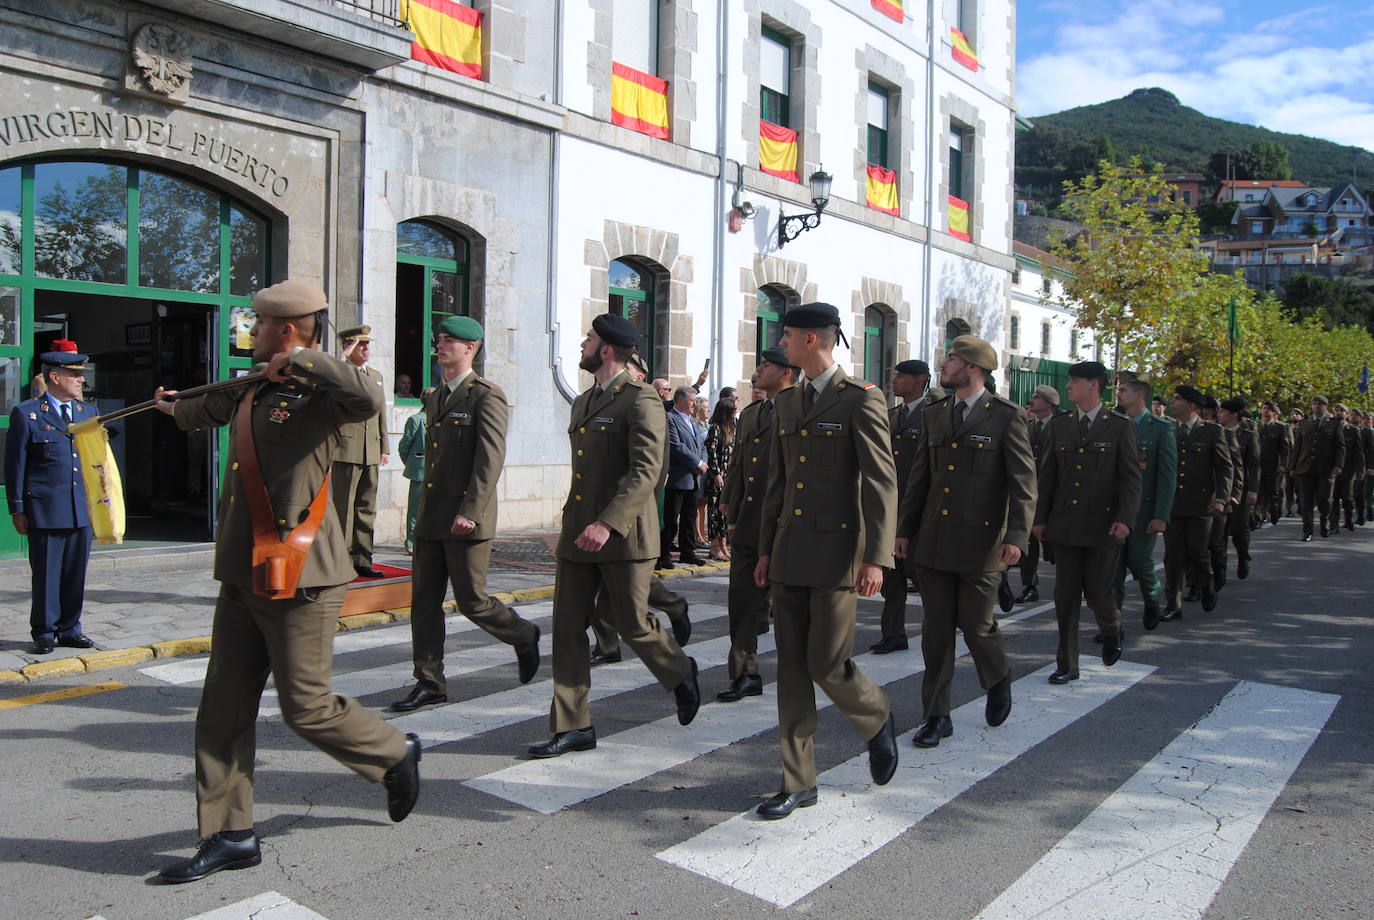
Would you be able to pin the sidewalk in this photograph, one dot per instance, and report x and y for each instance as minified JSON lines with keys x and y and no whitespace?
{"x":155,"y":603}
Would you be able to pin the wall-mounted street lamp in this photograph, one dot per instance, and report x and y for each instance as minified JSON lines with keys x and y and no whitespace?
{"x":792,"y":226}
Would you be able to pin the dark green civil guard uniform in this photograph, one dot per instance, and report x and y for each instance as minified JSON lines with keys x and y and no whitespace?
{"x":296,"y":430}
{"x":1318,"y":451}
{"x":1204,"y":477}
{"x":1157,"y":456}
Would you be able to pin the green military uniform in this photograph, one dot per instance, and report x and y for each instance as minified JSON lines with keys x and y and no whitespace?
{"x":1204,"y":477}
{"x":1089,"y":480}
{"x":1235,"y":506}
{"x":829,"y":508}
{"x":1318,"y":451}
{"x":411,"y":450}
{"x":661,"y":597}
{"x":1276,"y":444}
{"x":746,"y":481}
{"x":466,"y":423}
{"x":1365,"y":490}
{"x":355,"y":473}
{"x":1247,"y":478}
{"x":1157,"y":457}
{"x":1350,"y":478}
{"x":905,"y":424}
{"x":296,"y":429}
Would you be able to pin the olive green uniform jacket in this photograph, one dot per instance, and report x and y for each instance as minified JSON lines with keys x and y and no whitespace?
{"x":1089,"y":480}
{"x":746,"y":480}
{"x":466,"y":450}
{"x":1204,"y":469}
{"x":1318,"y":447}
{"x":364,"y":441}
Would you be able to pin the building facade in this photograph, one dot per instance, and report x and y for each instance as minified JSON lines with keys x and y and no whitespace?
{"x":1043,"y":339}
{"x":160,"y":161}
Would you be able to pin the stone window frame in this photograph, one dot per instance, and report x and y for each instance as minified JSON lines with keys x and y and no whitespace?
{"x":792,"y":19}
{"x":476,"y":273}
{"x":891,"y":299}
{"x":875,"y":67}
{"x":783,"y":275}
{"x":656,"y":253}
{"x":962,"y":312}
{"x":503,"y":41}
{"x":1046,"y":338}
{"x":955,"y":111}
{"x":1013,"y":331}
{"x":678,"y":26}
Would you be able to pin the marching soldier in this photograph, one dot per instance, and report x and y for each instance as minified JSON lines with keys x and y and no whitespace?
{"x":1351,"y":475}
{"x":1276,"y":443}
{"x":610,"y":537}
{"x":1157,"y":450}
{"x":746,"y":483}
{"x":281,"y":621}
{"x":466,"y":421}
{"x":1221,"y":526}
{"x":1290,"y":482}
{"x":363,"y":450}
{"x":825,"y":536}
{"x":910,"y":379}
{"x":1245,"y":475}
{"x":1042,"y":406}
{"x":1204,"y":488}
{"x":1318,"y":455}
{"x":1366,"y":488}
{"x":966,"y":516}
{"x":1087,"y":497}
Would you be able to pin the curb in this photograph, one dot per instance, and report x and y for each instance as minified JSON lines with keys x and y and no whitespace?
{"x":200,"y":645}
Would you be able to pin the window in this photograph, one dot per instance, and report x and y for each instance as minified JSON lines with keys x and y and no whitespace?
{"x":431,"y":285}
{"x":1073,"y":343}
{"x":955,"y":328}
{"x":634,"y":34}
{"x":966,"y":20}
{"x":1016,"y":276}
{"x":1045,"y":338}
{"x":878,"y":103}
{"x":957,"y":143}
{"x":1046,"y":284}
{"x":875,"y":345}
{"x":632,"y":296}
{"x":1188,"y":198}
{"x":1256,"y":226}
{"x":773,"y":302}
{"x":775,"y":78}
{"x":1014,"y":333}
{"x":1097,"y":350}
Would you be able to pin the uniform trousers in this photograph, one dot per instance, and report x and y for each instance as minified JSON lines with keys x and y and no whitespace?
{"x":1138,"y":556}
{"x":603,"y":624}
{"x":1186,"y":556}
{"x":1030,"y":564}
{"x":355,"y":499}
{"x":894,"y":598}
{"x":1290,"y":491}
{"x":1240,"y":531}
{"x":462,"y":564}
{"x":814,"y":631}
{"x":1271,"y":497}
{"x":1314,"y":490}
{"x":1343,"y":500}
{"x":417,"y":486}
{"x":749,"y":608}
{"x":57,"y":563}
{"x":1216,"y":539}
{"x":1079,"y":572}
{"x":293,"y":640}
{"x":961,"y":601}
{"x":1365,"y":491}
{"x":626,"y":584}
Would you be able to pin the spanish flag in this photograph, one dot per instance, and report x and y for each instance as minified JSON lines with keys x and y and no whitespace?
{"x":958,"y":219}
{"x":639,"y":101}
{"x":882,"y":190}
{"x":963,"y":52}
{"x":778,"y":151}
{"x":447,"y":35}
{"x":890,"y":8}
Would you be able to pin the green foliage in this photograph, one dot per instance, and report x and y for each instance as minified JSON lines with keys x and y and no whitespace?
{"x":1261,"y":160}
{"x":1215,"y":218}
{"x":1331,"y":301}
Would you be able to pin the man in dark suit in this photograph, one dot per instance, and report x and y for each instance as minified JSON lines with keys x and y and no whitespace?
{"x":1318,"y":455}
{"x":686,"y":464}
{"x":47,"y":498}
{"x":910,"y":380}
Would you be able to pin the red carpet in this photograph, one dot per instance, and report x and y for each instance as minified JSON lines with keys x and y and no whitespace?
{"x":388,"y":571}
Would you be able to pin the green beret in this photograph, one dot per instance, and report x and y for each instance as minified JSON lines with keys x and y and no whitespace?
{"x":289,"y":300}
{"x":464,"y":328}
{"x":975,"y":351}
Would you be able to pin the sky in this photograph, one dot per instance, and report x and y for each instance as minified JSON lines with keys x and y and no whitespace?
{"x":1304,"y":69}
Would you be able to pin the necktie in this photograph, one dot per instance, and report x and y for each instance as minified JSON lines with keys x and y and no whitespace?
{"x":766,"y":414}
{"x":1083,"y":423}
{"x":66,"y":415}
{"x":960,"y":409}
{"x":808,"y":396}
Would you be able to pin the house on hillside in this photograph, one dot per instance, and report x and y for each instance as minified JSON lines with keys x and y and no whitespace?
{"x":1042,"y":338}
{"x":1188,"y":187}
{"x":1250,"y":191}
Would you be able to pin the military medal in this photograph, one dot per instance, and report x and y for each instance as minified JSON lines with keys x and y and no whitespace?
{"x":279,"y":415}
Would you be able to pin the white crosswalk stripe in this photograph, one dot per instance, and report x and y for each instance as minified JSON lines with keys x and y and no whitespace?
{"x":1162,"y":844}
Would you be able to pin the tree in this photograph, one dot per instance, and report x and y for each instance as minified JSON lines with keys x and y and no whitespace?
{"x":1269,"y":160}
{"x":1333,"y":302}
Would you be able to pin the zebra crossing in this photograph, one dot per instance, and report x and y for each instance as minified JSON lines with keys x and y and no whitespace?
{"x":1161,"y":844}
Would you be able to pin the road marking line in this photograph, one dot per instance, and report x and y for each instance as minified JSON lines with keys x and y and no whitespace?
{"x":267,"y":906}
{"x":55,"y":695}
{"x":781,"y":862}
{"x":1163,"y":843}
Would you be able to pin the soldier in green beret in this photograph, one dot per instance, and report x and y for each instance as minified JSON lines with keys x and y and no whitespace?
{"x":1157,"y":457}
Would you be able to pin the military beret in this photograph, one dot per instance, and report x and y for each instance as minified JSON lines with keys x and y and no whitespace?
{"x":774,"y":354}
{"x":1210,"y":402}
{"x":460,"y":327}
{"x":289,"y":300}
{"x":1321,"y":399}
{"x":1234,"y":404}
{"x":1048,"y":393}
{"x":616,"y":330}
{"x":811,"y":316}
{"x":1159,"y":399}
{"x":64,"y":354}
{"x":1191,"y":394}
{"x":356,"y":334}
{"x":1240,"y":397}
{"x":1342,"y":406}
{"x":914,"y":367}
{"x":1088,"y":370}
{"x":1272,"y":407}
{"x":935,"y":393}
{"x":975,"y":351}
{"x":635,"y":361}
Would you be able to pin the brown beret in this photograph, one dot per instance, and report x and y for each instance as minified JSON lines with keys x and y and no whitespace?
{"x":975,"y":351}
{"x":356,"y":334}
{"x":1048,"y":393}
{"x":290,"y":300}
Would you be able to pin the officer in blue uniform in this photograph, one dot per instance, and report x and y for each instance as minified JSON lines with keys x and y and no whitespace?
{"x":48,"y":498}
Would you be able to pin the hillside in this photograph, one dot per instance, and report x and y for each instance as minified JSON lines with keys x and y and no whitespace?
{"x":1153,"y":124}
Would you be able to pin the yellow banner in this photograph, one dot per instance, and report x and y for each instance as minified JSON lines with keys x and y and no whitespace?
{"x":104,"y":488}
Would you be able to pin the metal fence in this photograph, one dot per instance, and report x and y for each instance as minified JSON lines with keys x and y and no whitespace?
{"x":388,"y":11}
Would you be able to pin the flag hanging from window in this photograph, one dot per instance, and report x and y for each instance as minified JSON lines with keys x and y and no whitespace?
{"x":962,"y":50}
{"x":447,"y":35}
{"x":958,"y":219}
{"x":882,"y":190}
{"x":890,"y":8}
{"x":639,"y":101}
{"x":778,"y":151}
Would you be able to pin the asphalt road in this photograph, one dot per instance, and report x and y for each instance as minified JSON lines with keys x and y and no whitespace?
{"x":1223,"y":769}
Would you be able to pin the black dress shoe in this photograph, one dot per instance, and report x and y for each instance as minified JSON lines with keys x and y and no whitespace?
{"x":367,"y":571}
{"x":1209,"y":598}
{"x":882,"y":753}
{"x":1172,"y":614}
{"x":682,"y":628}
{"x":402,"y":781}
{"x":1307,"y":537}
{"x":889,"y":645}
{"x":582,"y":739}
{"x":784,"y":803}
{"x":527,"y":656}
{"x":1030,"y":594}
{"x":1097,"y":637}
{"x":1063,"y":677}
{"x":1111,"y":647}
{"x":742,"y":686}
{"x":1323,"y":529}
{"x":1191,"y":595}
{"x":608,"y":658}
{"x":42,"y":646}
{"x":1151,"y":617}
{"x":1243,"y":569}
{"x":688,"y":694}
{"x":691,"y":560}
{"x":664,"y":563}
{"x":1005,"y":599}
{"x":935,"y":728}
{"x":999,"y":702}
{"x":76,"y":641}
{"x":1349,"y":526}
{"x":1219,"y":579}
{"x":215,"y":853}
{"x":418,"y":697}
